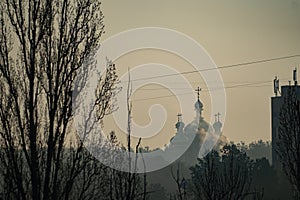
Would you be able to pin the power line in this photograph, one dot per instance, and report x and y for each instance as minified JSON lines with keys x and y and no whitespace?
{"x":206,"y":90}
{"x":242,"y":83}
{"x":221,"y":67}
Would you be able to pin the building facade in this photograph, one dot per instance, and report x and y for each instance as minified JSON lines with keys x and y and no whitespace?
{"x":277,"y":103}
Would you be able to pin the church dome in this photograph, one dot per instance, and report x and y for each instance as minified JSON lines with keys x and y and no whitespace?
{"x":179,"y":125}
{"x":198,"y":105}
{"x":217,"y":125}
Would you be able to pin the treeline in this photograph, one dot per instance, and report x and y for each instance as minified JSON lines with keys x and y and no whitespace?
{"x":81,"y":176}
{"x":226,"y":174}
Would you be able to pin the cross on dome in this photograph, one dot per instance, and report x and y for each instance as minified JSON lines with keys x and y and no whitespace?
{"x":198,"y":104}
{"x":217,"y":117}
{"x":179,"y":116}
{"x":179,"y":125}
{"x":198,"y":90}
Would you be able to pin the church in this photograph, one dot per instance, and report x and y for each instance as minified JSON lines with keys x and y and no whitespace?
{"x":195,"y":139}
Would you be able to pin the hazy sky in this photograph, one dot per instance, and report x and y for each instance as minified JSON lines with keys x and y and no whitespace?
{"x":231,"y":32}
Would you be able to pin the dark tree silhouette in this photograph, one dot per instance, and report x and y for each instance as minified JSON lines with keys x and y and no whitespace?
{"x":43,"y":44}
{"x":222,"y":177}
{"x":259,"y":149}
{"x":125,"y":185}
{"x":288,"y":146}
{"x":181,"y":182}
{"x":157,"y":191}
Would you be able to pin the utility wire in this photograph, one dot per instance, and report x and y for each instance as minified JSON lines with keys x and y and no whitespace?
{"x":185,"y":88}
{"x":221,"y":67}
{"x":206,"y":90}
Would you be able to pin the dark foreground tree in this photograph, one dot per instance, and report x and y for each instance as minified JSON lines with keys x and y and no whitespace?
{"x":257,"y":149}
{"x":222,"y":177}
{"x":124,"y":185}
{"x":43,"y":44}
{"x":288,"y":146}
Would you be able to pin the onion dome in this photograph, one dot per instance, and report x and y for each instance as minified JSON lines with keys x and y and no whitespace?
{"x":198,"y":105}
{"x":217,"y":125}
{"x":179,"y":125}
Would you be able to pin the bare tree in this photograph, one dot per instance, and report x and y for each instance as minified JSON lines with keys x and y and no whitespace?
{"x":237,"y":173}
{"x":181,"y":183}
{"x":205,"y":177}
{"x":133,"y":185}
{"x":126,"y":185}
{"x":43,"y":44}
{"x":222,"y":177}
{"x":288,"y":146}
